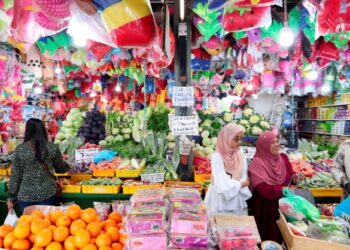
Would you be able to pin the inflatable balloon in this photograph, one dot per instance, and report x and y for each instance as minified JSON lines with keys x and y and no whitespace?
{"x":133,"y":26}
{"x":214,"y":46}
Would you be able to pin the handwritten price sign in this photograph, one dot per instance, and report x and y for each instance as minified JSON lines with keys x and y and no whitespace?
{"x":183,"y":96}
{"x":85,"y":155}
{"x":184,"y":125}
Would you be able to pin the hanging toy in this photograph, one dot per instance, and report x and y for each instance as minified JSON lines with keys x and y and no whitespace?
{"x":33,"y":62}
{"x":214,"y":46}
{"x":268,"y":80}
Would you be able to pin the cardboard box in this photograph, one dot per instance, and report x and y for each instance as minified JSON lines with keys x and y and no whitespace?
{"x":224,"y":220}
{"x":302,"y":243}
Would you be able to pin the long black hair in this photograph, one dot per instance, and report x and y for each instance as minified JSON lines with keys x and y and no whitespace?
{"x":36,"y":134}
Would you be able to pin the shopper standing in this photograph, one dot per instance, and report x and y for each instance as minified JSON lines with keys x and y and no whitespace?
{"x":35,"y":160}
{"x":229,"y":189}
{"x":341,"y":168}
{"x":269,"y":172}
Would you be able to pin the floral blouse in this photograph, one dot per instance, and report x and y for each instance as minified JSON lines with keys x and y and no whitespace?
{"x":29,"y":180}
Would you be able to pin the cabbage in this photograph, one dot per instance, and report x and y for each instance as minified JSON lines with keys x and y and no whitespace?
{"x":206,"y":142}
{"x":205,"y":134}
{"x":67,"y":124}
{"x":213,"y":140}
{"x":136,"y":135}
{"x":115,"y":131}
{"x":127,"y":136}
{"x":119,"y":138}
{"x":109,"y":138}
{"x":126,"y":131}
{"x":103,"y":143}
{"x":60,"y":136}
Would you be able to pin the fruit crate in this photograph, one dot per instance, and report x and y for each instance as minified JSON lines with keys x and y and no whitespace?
{"x":61,"y":174}
{"x":200,"y":178}
{"x":153,"y":178}
{"x":181,"y":184}
{"x":3,"y":171}
{"x":327,"y":192}
{"x":132,"y":189}
{"x":103,"y":173}
{"x":80,"y":177}
{"x":3,"y":186}
{"x":128,"y":173}
{"x":71,"y":189}
{"x":9,"y":171}
{"x":100,"y":189}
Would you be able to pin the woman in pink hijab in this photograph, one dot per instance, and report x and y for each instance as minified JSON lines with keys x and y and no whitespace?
{"x":269,"y":172}
{"x":229,"y":189}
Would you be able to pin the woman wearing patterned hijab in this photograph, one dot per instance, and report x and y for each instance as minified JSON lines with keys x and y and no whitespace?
{"x":228,"y":191}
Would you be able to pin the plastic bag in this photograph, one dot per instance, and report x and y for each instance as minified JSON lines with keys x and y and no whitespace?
{"x":11,"y":218}
{"x":103,"y":209}
{"x":343,"y":208}
{"x":104,"y":155}
{"x":295,"y":207}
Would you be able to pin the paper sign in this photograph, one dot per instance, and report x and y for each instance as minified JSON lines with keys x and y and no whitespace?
{"x":85,"y":155}
{"x":184,"y":125}
{"x":185,"y":145}
{"x":249,"y":152}
{"x":183,"y":96}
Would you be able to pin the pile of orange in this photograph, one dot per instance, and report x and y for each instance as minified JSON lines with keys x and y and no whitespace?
{"x":71,"y":230}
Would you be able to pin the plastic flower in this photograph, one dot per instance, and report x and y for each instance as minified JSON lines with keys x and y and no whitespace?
{"x":248,"y":112}
{"x":243,"y":122}
{"x":265,"y":125}
{"x":254,"y":119}
{"x":256,"y":130}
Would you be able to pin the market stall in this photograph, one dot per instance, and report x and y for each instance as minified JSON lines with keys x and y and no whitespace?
{"x":135,"y":102}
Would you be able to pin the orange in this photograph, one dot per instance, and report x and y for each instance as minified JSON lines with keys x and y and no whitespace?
{"x":74,"y":212}
{"x":32,"y":238}
{"x":113,"y":233}
{"x":109,"y":223}
{"x":60,"y":234}
{"x":81,"y":238}
{"x":115,"y":216}
{"x":39,"y":214}
{"x":89,"y":215}
{"x":37,"y":248}
{"x":63,"y":221}
{"x":69,"y":243}
{"x":105,"y":248}
{"x":9,"y":239}
{"x":43,"y":238}
{"x":1,"y":242}
{"x":94,"y":228}
{"x":120,"y":225}
{"x":38,"y":224}
{"x":76,"y":225}
{"x":103,"y":240}
{"x":90,"y":247}
{"x":54,"y":246}
{"x":5,"y":229}
{"x":23,"y":218}
{"x":93,"y":241}
{"x":117,"y":246}
{"x":54,"y":215}
{"x":20,"y":244}
{"x":22,"y":231}
{"x":122,"y":238}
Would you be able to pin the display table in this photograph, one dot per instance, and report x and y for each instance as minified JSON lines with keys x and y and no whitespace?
{"x":83,"y":200}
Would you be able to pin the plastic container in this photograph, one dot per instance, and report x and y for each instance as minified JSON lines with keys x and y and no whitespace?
{"x":183,"y":241}
{"x":100,"y":189}
{"x":237,"y":237}
{"x":149,"y":242}
{"x":181,"y":184}
{"x":3,"y":186}
{"x":3,"y":172}
{"x":71,"y":189}
{"x":103,"y":173}
{"x":128,"y":173}
{"x":185,"y":195}
{"x":327,"y":192}
{"x":80,"y":177}
{"x":137,"y":224}
{"x":133,"y":189}
{"x":153,"y":178}
{"x":200,"y":178}
{"x":151,"y":195}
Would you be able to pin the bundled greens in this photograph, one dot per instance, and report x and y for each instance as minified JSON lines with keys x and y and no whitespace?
{"x":158,"y":120}
{"x":311,"y":150}
{"x":322,"y":180}
{"x":102,"y":182}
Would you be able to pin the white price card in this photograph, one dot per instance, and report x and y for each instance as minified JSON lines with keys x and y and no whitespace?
{"x":85,"y":155}
{"x":183,"y":96}
{"x":184,"y":125}
{"x":185,"y":145}
{"x":249,"y":152}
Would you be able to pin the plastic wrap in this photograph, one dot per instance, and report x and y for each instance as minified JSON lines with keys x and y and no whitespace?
{"x":134,"y":25}
{"x":120,"y":206}
{"x":189,"y":223}
{"x":240,"y":18}
{"x":147,"y":242}
{"x":185,"y":241}
{"x":150,"y":195}
{"x":187,"y":195}
{"x":103,"y":210}
{"x":137,"y":224}
{"x":240,"y":238}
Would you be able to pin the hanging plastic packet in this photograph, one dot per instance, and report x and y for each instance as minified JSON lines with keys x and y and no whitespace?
{"x":103,"y":210}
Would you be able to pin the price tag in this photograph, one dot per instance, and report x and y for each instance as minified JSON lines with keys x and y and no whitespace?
{"x":185,"y":145}
{"x":249,"y":152}
{"x":184,"y":125}
{"x":85,"y":155}
{"x":183,"y":96}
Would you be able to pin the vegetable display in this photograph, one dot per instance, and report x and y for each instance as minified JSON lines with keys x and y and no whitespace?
{"x":102,"y":182}
{"x":70,"y":126}
{"x":322,"y":180}
{"x":311,"y":151}
{"x":94,"y":127}
{"x":253,"y":123}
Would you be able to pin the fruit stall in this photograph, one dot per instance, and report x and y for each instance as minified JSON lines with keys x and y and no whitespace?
{"x":135,"y":104}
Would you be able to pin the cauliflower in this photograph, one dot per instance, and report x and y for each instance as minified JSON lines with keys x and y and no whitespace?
{"x":205,"y":134}
{"x":254,"y":119}
{"x":243,"y":128}
{"x":228,"y":117}
{"x":265,"y":125}
{"x":256,"y":130}
{"x":206,"y":142}
{"x":248,"y":112}
{"x":243,"y":122}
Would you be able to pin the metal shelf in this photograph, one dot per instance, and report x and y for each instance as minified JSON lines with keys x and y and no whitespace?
{"x":319,"y":133}
{"x":326,"y":106}
{"x":322,"y":119}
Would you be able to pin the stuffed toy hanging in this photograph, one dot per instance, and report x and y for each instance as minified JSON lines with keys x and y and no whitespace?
{"x":33,"y":62}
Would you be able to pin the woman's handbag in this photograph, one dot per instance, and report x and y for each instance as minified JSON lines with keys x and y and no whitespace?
{"x":301,"y":190}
